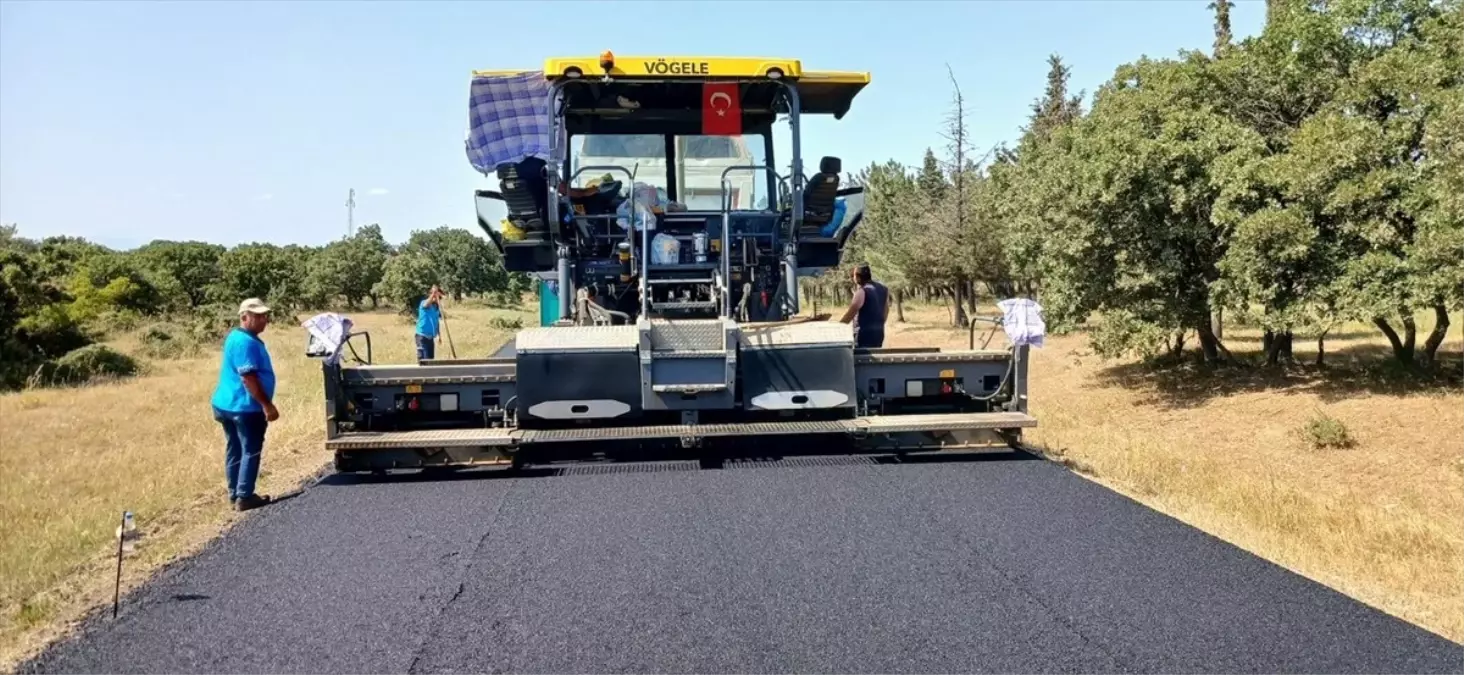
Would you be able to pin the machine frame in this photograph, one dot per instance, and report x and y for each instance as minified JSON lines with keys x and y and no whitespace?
{"x":671,"y":374}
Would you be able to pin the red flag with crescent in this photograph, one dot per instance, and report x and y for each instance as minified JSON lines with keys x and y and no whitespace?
{"x":721,"y":109}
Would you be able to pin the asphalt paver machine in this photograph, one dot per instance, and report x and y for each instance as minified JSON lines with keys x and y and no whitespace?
{"x":671,"y":277}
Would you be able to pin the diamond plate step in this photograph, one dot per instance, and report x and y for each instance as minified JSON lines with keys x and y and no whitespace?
{"x":689,"y":354}
{"x":809,"y":333}
{"x":429,"y":438}
{"x":576,"y":339}
{"x":893,"y":424}
{"x":683,"y":305}
{"x":688,"y":335}
{"x":688,"y":388}
{"x":941,"y":357}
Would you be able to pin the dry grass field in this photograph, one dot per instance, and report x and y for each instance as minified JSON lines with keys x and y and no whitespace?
{"x":71,"y":460}
{"x":1380,"y":520}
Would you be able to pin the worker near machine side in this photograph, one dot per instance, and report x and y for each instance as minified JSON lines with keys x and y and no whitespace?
{"x":869,"y":309}
{"x":429,"y":320}
{"x":243,"y":403}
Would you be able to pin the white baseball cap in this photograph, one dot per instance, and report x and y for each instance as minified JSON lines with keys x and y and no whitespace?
{"x":253,"y":306}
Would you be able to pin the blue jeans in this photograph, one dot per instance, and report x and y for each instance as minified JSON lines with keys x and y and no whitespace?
{"x":244,"y":434}
{"x":426,"y":348}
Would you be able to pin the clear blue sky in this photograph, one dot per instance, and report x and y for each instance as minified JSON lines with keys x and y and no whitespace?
{"x":230,"y":122}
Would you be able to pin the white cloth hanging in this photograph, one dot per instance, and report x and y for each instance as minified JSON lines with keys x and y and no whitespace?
{"x":328,"y":333}
{"x":1022,"y":321}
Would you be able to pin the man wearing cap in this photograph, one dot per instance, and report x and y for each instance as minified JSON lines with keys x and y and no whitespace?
{"x":243,"y":402}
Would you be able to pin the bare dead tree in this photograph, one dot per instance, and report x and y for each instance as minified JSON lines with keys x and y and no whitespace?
{"x":955,"y":135}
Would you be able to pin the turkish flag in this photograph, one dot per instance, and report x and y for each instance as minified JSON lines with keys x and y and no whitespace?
{"x":721,"y":109}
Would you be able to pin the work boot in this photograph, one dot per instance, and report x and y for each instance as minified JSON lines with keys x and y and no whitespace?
{"x":251,"y":502}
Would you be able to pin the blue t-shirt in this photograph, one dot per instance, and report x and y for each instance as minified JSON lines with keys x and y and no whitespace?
{"x":427,"y":318}
{"x":244,"y":353}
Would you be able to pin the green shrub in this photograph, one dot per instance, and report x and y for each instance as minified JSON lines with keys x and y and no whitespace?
{"x":51,"y":332}
{"x":1324,"y":432}
{"x":167,"y":341}
{"x":503,"y":323}
{"x":17,"y":362}
{"x":211,"y":324}
{"x":158,"y":333}
{"x":115,"y":321}
{"x":88,"y":364}
{"x":95,"y":361}
{"x":114,"y":281}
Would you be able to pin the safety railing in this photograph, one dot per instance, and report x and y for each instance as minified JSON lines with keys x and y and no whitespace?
{"x":727,"y":228}
{"x":609,"y":217}
{"x":995,"y":324}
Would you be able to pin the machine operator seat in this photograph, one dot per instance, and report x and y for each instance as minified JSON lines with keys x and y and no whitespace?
{"x":821,"y":192}
{"x":525,"y":197}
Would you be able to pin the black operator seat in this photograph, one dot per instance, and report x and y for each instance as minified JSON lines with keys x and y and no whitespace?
{"x":821,"y":192}
{"x":525,"y":195}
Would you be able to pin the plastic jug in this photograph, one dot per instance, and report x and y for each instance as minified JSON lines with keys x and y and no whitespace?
{"x":665,"y":250}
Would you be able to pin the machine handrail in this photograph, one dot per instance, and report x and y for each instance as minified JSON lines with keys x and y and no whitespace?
{"x":606,"y":168}
{"x":983,"y":319}
{"x":727,"y":228}
{"x":645,"y":249}
{"x":352,"y":347}
{"x":609,"y":217}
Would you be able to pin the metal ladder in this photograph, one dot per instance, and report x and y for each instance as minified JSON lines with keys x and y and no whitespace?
{"x":687,"y":364}
{"x":690,"y":364}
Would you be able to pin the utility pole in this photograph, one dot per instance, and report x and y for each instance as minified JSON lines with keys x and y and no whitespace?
{"x":351,"y":213}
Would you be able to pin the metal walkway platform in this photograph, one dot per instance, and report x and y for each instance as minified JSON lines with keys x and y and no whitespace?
{"x":859,"y":426}
{"x":431,"y":438}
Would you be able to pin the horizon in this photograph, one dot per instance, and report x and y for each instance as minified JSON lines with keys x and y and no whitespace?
{"x":281,"y":109}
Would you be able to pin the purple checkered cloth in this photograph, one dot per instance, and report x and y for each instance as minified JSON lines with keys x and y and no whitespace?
{"x":508,"y":120}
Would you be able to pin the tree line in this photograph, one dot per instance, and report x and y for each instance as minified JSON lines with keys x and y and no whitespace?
{"x":1307,"y":176}
{"x":60,"y":294}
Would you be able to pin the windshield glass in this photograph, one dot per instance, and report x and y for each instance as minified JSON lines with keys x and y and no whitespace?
{"x":642,"y":146}
{"x":642,"y":154}
{"x":700,"y":161}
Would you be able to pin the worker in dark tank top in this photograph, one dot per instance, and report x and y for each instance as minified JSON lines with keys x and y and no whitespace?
{"x":869,"y":309}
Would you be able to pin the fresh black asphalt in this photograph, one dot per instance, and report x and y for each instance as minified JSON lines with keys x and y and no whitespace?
{"x":803,"y":565}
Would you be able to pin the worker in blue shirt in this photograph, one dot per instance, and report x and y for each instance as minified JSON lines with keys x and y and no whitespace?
{"x":429,"y":319}
{"x":243,"y":403}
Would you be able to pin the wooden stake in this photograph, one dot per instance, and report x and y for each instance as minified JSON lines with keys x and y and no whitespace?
{"x":117,"y":585}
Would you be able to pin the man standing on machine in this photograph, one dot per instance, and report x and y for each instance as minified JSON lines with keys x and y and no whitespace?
{"x":871,"y":306}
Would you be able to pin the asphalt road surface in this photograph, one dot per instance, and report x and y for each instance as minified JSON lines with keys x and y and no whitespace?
{"x":808,"y":565}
